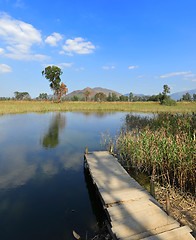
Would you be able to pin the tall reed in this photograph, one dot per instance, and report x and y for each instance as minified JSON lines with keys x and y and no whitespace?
{"x":163,"y":146}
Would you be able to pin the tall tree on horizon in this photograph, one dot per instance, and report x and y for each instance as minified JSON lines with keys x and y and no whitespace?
{"x":52,"y":73}
{"x":22,"y":95}
{"x":130,"y":97}
{"x":87,"y":94}
{"x":187,"y":97}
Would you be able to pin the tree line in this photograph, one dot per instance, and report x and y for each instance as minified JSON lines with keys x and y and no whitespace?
{"x":53,"y":73}
{"x":163,"y":97}
{"x":101,"y":97}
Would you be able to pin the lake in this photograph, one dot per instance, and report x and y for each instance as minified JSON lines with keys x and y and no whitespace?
{"x":44,"y":193}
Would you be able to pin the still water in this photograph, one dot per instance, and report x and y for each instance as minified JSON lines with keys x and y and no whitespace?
{"x":44,"y":194}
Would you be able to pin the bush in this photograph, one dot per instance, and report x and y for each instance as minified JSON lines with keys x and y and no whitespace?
{"x":169,"y":102}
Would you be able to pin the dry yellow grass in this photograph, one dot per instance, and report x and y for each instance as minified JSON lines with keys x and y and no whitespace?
{"x":11,"y":107}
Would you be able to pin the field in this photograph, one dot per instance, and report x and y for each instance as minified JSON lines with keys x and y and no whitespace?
{"x":11,"y":107}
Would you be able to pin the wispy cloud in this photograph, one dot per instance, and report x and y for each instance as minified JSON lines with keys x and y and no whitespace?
{"x":174,"y":74}
{"x":108,"y":67}
{"x":19,"y":4}
{"x":140,"y":76}
{"x":53,"y":39}
{"x":60,"y":65}
{"x":193,"y":80}
{"x":133,"y":67}
{"x":19,"y":38}
{"x":78,"y":46}
{"x":4,"y":68}
{"x":66,"y":64}
{"x":2,"y":51}
{"x":79,"y":69}
{"x":190,"y":75}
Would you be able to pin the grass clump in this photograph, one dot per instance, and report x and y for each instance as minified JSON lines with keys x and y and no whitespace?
{"x":163,"y":146}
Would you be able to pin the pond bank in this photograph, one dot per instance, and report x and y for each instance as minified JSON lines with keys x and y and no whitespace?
{"x":12,"y":107}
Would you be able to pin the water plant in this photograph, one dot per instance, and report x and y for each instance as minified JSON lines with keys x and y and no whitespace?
{"x":162,"y":146}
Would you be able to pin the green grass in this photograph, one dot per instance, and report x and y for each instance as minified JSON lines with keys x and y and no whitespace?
{"x":11,"y":107}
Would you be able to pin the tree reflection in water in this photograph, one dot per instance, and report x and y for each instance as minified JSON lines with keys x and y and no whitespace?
{"x":51,"y":138}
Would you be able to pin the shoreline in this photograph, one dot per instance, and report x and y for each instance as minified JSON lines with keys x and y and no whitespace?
{"x":15,"y":107}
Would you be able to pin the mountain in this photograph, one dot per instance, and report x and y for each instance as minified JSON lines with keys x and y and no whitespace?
{"x":92,"y":91}
{"x":178,"y":95}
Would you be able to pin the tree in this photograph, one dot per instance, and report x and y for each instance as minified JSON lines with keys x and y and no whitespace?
{"x":194,"y":96}
{"x":186,"y":97}
{"x":75,"y":98}
{"x":135,"y":98}
{"x":109,"y":98}
{"x":22,"y":95}
{"x":163,"y":97}
{"x":86,"y":94}
{"x":52,"y":73}
{"x":114,"y":97}
{"x":100,"y":97}
{"x":155,"y":98}
{"x":43,"y":96}
{"x":123,"y":98}
{"x":130,"y":97}
{"x":166,"y":89}
{"x":62,"y":90}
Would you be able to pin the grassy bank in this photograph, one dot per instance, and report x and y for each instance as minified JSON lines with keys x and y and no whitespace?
{"x":163,"y":147}
{"x":11,"y":107}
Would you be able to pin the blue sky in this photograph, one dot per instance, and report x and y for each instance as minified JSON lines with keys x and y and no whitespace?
{"x":123,"y":45}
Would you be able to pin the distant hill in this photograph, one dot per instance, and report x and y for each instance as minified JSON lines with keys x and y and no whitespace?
{"x":178,"y":95}
{"x":92,"y":91}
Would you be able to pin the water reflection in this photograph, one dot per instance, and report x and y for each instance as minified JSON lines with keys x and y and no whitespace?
{"x":41,"y":173}
{"x":99,"y":114}
{"x":51,"y":138}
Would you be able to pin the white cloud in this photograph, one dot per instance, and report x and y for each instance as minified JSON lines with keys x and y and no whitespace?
{"x":132,"y":67}
{"x":19,"y":4}
{"x":78,"y":45}
{"x":19,"y":37}
{"x":174,"y":74}
{"x":61,"y":52}
{"x":2,"y":51}
{"x":108,"y":67}
{"x":193,"y":80}
{"x":53,"y":39}
{"x":140,"y":76}
{"x":60,"y":65}
{"x":19,"y":55}
{"x":190,"y":75}
{"x":66,"y":64}
{"x":38,"y":57}
{"x":4,"y":68}
{"x":79,"y":69}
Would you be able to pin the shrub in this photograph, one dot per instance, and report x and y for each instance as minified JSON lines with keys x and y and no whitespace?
{"x":169,"y":102}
